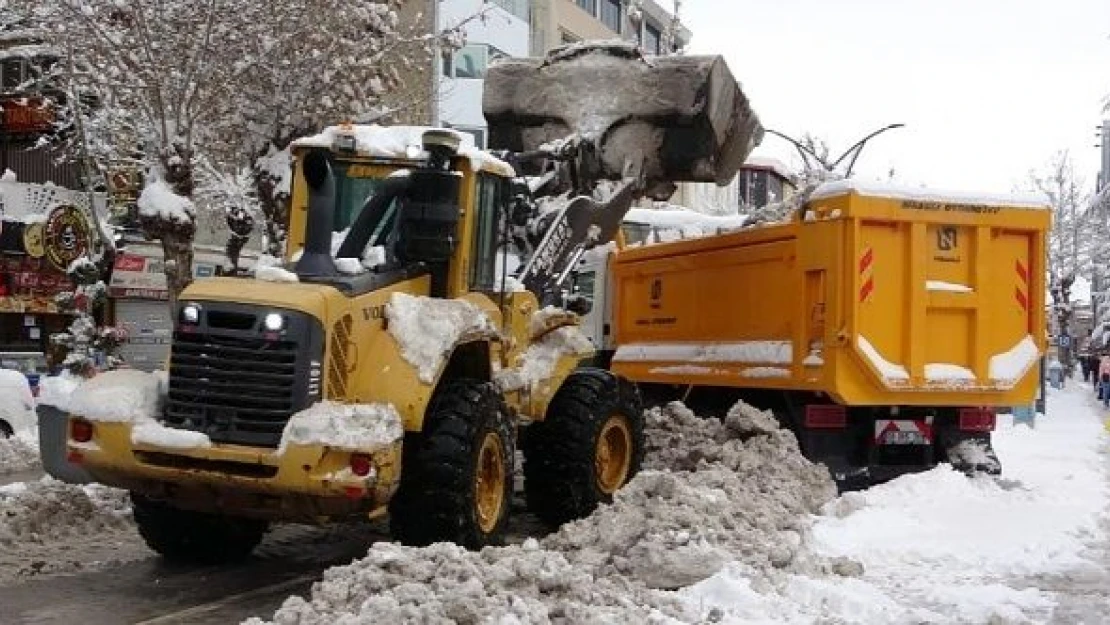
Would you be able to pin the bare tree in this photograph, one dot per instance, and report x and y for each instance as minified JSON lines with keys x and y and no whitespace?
{"x":1069,"y":245}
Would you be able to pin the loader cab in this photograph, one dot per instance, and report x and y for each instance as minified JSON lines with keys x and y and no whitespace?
{"x":408,"y":198}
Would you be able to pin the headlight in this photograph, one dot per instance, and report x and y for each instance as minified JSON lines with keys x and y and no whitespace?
{"x":190,"y":314}
{"x":273,"y":322}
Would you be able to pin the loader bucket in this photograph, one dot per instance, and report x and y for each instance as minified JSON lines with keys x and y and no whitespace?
{"x":686,"y":114}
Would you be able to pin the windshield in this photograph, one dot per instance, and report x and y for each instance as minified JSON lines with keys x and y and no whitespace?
{"x":355,"y":184}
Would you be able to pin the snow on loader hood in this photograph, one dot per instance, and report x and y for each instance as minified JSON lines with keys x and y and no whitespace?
{"x":714,"y":495}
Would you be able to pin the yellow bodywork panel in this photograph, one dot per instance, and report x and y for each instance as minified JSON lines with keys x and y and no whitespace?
{"x":873,"y":300}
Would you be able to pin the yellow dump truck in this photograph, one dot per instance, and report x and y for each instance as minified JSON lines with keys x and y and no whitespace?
{"x":885,"y":326}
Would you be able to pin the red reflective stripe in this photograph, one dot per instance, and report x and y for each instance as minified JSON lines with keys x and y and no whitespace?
{"x":865,"y":261}
{"x":1022,"y":271}
{"x":866,"y":289}
{"x":1021,"y":299}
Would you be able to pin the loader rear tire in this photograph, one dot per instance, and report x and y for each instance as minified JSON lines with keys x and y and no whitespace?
{"x":195,"y":537}
{"x":588,"y":446}
{"x":457,"y":476}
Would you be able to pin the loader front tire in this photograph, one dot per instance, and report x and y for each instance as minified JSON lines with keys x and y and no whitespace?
{"x":457,"y":476}
{"x":588,"y":446}
{"x":195,"y":537}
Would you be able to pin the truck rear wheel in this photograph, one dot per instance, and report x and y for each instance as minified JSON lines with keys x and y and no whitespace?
{"x":588,"y":446}
{"x":195,"y":537}
{"x":456,"y":482}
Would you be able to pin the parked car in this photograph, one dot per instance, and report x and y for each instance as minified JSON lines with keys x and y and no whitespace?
{"x":17,"y":404}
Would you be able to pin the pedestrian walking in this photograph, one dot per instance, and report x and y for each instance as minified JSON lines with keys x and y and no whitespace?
{"x":1104,"y":380}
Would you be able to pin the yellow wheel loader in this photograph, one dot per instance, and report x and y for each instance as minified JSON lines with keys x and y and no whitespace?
{"x":399,"y":372}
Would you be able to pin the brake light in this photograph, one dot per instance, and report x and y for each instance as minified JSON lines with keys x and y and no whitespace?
{"x":361,"y":465}
{"x":80,"y":431}
{"x":977,"y":419}
{"x":826,"y":416}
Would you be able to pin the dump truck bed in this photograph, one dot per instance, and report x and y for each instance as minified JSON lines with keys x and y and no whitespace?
{"x":875,"y":296}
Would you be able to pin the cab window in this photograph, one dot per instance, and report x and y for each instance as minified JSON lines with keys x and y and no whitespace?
{"x":489,"y":196}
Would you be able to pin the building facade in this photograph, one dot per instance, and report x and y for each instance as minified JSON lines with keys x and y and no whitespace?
{"x":503,"y":31}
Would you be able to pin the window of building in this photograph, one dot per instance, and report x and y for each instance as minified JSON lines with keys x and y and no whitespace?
{"x":589,"y":6}
{"x":519,"y":8}
{"x":11,"y":74}
{"x":610,"y":15}
{"x":653,"y":40}
{"x":471,"y":61}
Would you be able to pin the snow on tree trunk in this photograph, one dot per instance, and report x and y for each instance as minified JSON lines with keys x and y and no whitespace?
{"x":167,"y":213}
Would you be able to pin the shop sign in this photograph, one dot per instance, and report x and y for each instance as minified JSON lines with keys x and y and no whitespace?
{"x":26,"y":116}
{"x":143,"y":277}
{"x":66,"y":236}
{"x":33,"y":243}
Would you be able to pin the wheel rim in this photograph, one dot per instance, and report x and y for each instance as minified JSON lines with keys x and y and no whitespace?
{"x":489,"y":482}
{"x":613,"y":455}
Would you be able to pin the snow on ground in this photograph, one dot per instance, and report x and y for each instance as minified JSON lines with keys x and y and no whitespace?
{"x":942,"y":547}
{"x":44,"y":525}
{"x":734,"y":493}
{"x":728,"y":524}
{"x":19,"y":453}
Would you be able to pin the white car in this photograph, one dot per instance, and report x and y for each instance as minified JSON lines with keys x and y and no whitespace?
{"x":17,"y":405}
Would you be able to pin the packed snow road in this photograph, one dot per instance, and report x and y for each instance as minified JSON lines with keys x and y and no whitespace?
{"x":727,"y":524}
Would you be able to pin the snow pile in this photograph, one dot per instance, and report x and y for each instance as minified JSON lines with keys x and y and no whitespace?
{"x":950,"y":287}
{"x":270,"y":269}
{"x":889,"y":370}
{"x":948,"y":372}
{"x":670,"y":222}
{"x":19,"y":453}
{"x":154,"y":434}
{"x":49,"y":510}
{"x":541,"y":357}
{"x":159,"y":201}
{"x":770,"y":352}
{"x":428,"y":328}
{"x":57,"y":390}
{"x":352,"y":427}
{"x":964,"y":550}
{"x":740,"y":499}
{"x":921,"y":194}
{"x":1011,"y":365}
{"x":349,"y":266}
{"x":121,"y":396}
{"x":403,"y":142}
{"x":765,"y":372}
{"x":17,"y":404}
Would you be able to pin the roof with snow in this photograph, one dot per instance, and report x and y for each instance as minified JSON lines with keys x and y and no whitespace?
{"x":883,"y":190}
{"x":770,"y":164}
{"x":403,"y":142}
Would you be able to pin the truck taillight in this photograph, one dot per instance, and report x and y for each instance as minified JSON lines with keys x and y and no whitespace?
{"x":80,"y":431}
{"x":977,"y":419}
{"x":826,"y":416}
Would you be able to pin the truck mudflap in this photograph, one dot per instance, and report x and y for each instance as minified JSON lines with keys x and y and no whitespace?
{"x":296,"y":482}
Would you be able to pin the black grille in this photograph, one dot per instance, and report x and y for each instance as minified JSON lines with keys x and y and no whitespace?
{"x":242,"y":385}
